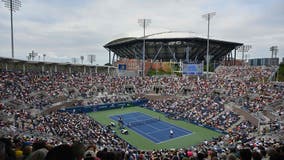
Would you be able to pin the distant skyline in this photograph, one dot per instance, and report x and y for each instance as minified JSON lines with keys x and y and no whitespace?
{"x":64,"y":29}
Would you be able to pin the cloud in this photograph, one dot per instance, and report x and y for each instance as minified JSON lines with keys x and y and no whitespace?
{"x":68,"y":28}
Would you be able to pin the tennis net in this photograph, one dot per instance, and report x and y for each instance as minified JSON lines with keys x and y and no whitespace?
{"x":142,"y":122}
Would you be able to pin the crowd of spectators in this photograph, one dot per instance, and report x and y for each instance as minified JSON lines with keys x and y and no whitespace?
{"x":57,"y":133}
{"x":203,"y":110}
{"x":226,"y":147}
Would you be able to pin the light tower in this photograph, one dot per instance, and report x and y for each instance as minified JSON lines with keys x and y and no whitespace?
{"x":243,"y":49}
{"x":82,"y":59}
{"x":13,"y":6}
{"x":208,"y":16}
{"x":91,"y":58}
{"x":32,"y":55}
{"x":44,"y":55}
{"x":74,"y":60}
{"x":274,"y":50}
{"x":144,"y":23}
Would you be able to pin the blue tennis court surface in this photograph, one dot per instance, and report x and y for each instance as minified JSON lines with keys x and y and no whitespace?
{"x":153,"y":129}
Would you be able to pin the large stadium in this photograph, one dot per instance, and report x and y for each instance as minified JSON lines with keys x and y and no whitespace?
{"x":236,"y":106}
{"x":173,"y":46}
{"x":164,"y":96}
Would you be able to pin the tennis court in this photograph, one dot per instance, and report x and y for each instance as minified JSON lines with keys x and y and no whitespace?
{"x":154,"y":129}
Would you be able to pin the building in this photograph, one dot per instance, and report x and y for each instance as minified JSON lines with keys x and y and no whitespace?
{"x":264,"y":62}
{"x":170,"y":47}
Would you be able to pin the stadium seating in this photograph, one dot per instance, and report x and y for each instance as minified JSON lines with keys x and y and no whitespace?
{"x":25,"y":96}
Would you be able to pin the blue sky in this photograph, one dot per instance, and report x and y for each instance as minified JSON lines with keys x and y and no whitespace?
{"x":63,"y":29}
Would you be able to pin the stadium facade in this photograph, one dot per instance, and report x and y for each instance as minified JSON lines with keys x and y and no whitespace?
{"x":170,"y":47}
{"x":10,"y":64}
{"x":264,"y":62}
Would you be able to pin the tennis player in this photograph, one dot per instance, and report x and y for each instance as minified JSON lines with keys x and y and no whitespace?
{"x":120,"y":122}
{"x":171,"y":133}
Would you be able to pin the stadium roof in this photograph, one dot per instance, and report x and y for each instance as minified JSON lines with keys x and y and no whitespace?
{"x":168,"y":46}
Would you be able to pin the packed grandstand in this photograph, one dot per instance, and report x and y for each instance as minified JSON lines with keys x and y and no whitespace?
{"x":239,"y":100}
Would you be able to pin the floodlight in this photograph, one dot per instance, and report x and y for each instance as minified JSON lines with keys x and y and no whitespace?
{"x":143,"y":23}
{"x":208,"y":16}
{"x":13,"y":6}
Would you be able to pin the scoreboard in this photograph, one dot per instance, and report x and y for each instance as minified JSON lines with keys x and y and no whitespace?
{"x":192,"y":69}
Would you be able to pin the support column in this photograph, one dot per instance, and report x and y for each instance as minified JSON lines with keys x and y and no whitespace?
{"x":156,"y":55}
{"x":187,"y":49}
{"x":235,"y":56}
{"x":231,"y":58}
{"x":24,"y":68}
{"x":50,"y":70}
{"x":172,"y":53}
{"x":228,"y":59}
{"x":109,"y":56}
{"x":113,"y":56}
{"x":42,"y":68}
{"x":70,"y":70}
{"x":90,"y":70}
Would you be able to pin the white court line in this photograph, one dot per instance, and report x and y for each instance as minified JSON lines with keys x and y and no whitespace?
{"x":165,"y":130}
{"x":145,"y":134}
{"x":177,"y":128}
{"x":174,"y":138}
{"x":158,"y":130}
